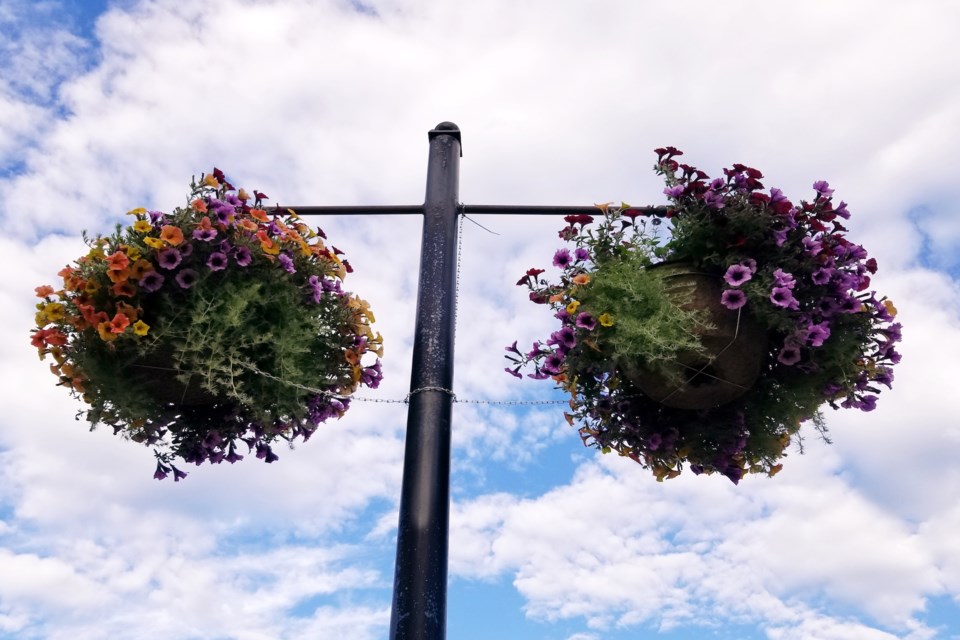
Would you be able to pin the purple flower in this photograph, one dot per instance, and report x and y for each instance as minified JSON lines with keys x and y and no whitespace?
{"x":750,"y":263}
{"x":242,"y":256}
{"x":217,"y":261}
{"x":884,"y":375}
{"x":151,"y":281}
{"x":205,"y":235}
{"x":222,"y":210}
{"x":827,"y":307}
{"x":780,"y":236}
{"x":816,"y":334}
{"x":287,"y":263}
{"x":789,"y":355}
{"x":821,"y":275}
{"x":850,"y":304}
{"x":562,"y":258}
{"x":567,"y":337}
{"x":187,"y":278}
{"x":156,"y":217}
{"x":372,"y":375}
{"x":674,"y":192}
{"x":186,"y":250}
{"x":714,"y":200}
{"x":515,"y":372}
{"x":812,"y":246}
{"x":733,"y":298}
{"x":169,"y":258}
{"x":586,"y":321}
{"x":737,"y":274}
{"x":177,"y":474}
{"x":822,"y":187}
{"x":552,"y":364}
{"x":776,"y":195}
{"x":783,"y":297}
{"x":654,"y":440}
{"x":783,"y":279}
{"x":842,"y":211}
{"x":265,"y":453}
{"x":868,"y":403}
{"x":161,"y":472}
{"x":581,"y":254}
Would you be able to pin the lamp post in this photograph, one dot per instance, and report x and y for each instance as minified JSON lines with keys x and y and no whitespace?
{"x":420,"y":578}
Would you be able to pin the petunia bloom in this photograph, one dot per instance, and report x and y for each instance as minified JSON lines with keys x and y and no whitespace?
{"x":733,"y":298}
{"x":737,"y":274}
{"x":783,"y":297}
{"x":217,"y":261}
{"x":562,"y":258}
{"x":169,"y":258}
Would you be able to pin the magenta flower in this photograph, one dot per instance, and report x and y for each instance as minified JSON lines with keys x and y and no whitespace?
{"x":783,"y":297}
{"x":187,"y":278}
{"x":287,"y":263}
{"x":821,"y":275}
{"x":217,"y":261}
{"x":789,"y":355}
{"x":674,"y":192}
{"x":586,"y":321}
{"x":737,"y":274}
{"x":169,"y":258}
{"x":822,"y":187}
{"x":714,"y":200}
{"x":242,"y":256}
{"x":783,"y":279}
{"x":733,"y":299}
{"x":151,"y":281}
{"x":817,"y":334}
{"x":562,"y":258}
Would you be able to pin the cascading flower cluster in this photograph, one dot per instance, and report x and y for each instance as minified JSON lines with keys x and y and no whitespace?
{"x":788,"y":266}
{"x":217,"y":323}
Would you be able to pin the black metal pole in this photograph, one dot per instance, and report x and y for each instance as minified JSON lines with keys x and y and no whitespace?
{"x":420,"y":580}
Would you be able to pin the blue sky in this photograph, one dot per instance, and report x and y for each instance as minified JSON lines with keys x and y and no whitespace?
{"x":105,"y":106}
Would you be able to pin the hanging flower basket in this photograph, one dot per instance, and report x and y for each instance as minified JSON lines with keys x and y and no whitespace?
{"x":705,"y":333}
{"x":733,"y":346}
{"x":214,"y":325}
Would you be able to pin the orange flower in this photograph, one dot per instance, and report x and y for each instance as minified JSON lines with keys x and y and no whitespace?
{"x":210,"y":181}
{"x":55,"y":337}
{"x":581,"y":278}
{"x":105,"y":334}
{"x":249,"y":225}
{"x":119,"y":323}
{"x":124,"y":289}
{"x":117,"y":261}
{"x":140,"y":268}
{"x":44,"y":291}
{"x":171,"y":235}
{"x":199,"y":205}
{"x":259,"y":214}
{"x":129,"y":311}
{"x":205,"y":223}
{"x":119,"y":276}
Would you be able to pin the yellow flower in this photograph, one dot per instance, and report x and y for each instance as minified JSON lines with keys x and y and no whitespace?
{"x":210,"y":181}
{"x":142,"y":226}
{"x":605,"y":320}
{"x":141,"y":328}
{"x":572,"y":307}
{"x":54,"y":311}
{"x":892,"y":310}
{"x":139,"y":211}
{"x":156,"y":243}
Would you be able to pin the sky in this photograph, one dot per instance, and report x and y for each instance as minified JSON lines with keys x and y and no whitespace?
{"x":109,"y":105}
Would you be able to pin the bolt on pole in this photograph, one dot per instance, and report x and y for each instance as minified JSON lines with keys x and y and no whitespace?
{"x":420,"y":579}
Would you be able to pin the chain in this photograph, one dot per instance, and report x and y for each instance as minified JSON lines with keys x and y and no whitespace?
{"x":405,"y":400}
{"x":456,"y":288}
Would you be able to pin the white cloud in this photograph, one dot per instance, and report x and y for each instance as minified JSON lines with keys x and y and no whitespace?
{"x":316,"y":103}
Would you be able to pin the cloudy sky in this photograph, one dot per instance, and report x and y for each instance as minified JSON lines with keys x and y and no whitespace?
{"x":107,"y":105}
